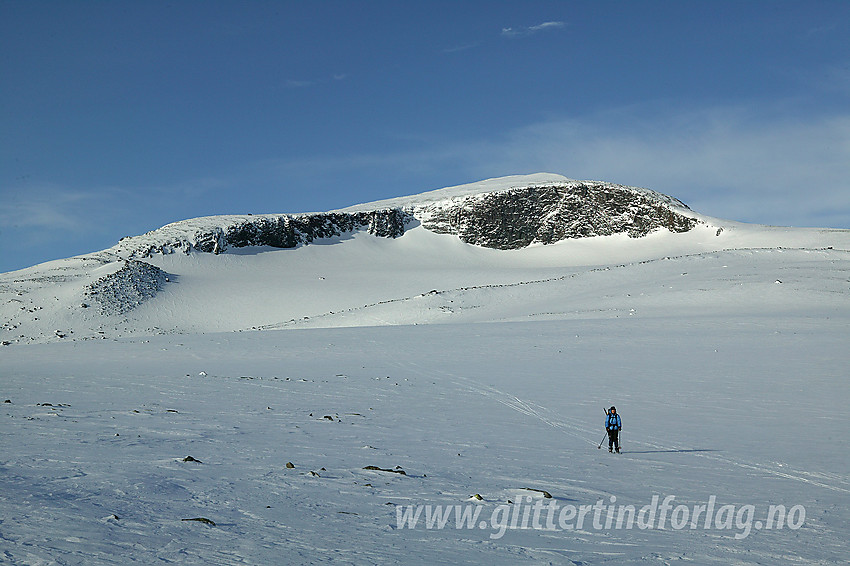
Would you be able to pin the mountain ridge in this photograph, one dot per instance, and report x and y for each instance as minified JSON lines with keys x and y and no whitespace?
{"x":501,"y":213}
{"x":502,"y":249}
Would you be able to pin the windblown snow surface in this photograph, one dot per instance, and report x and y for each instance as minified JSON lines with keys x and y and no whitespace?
{"x":251,"y":390}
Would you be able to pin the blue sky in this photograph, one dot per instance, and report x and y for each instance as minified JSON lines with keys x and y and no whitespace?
{"x":120,"y":117}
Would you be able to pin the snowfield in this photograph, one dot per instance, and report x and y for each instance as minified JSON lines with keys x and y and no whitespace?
{"x":259,"y":406}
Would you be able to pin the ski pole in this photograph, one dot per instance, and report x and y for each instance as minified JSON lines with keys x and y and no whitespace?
{"x":604,"y":437}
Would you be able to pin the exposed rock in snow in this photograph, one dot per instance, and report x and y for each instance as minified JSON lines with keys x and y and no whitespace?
{"x":218,"y":233}
{"x":130,"y":286}
{"x":507,"y":213}
{"x":518,"y":217}
{"x":377,"y":279}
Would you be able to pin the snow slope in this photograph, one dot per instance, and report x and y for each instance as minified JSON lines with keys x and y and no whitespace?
{"x":744,"y":408}
{"x":476,"y":371}
{"x":340,"y":282}
{"x":165,"y":281}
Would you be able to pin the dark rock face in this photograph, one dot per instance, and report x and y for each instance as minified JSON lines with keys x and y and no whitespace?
{"x":127,"y":288}
{"x":285,"y":231}
{"x":506,"y":219}
{"x":519,"y":217}
{"x":290,"y":231}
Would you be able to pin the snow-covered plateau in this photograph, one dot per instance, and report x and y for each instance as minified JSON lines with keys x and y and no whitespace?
{"x":422,"y":381}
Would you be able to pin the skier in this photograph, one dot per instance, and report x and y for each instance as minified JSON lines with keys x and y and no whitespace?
{"x":613,"y":425}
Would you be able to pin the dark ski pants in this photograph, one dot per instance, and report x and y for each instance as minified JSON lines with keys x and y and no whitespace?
{"x":614,"y":439}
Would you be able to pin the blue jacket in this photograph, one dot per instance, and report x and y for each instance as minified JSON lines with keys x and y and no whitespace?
{"x":613,"y":422}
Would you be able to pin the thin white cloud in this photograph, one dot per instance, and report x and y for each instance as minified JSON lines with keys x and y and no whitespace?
{"x":530,"y":30}
{"x":546,"y":25}
{"x":47,"y":207}
{"x":53,"y":212}
{"x":44,"y":221}
{"x":725,"y":162}
{"x":728,"y":162}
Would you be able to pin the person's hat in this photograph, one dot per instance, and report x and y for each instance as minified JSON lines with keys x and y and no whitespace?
{"x":612,"y":408}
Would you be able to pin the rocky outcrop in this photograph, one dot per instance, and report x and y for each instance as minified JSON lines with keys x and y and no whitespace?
{"x":290,"y":231}
{"x":127,"y":288}
{"x":518,"y":217}
{"x":510,"y":217}
{"x":504,"y":213}
{"x":217,"y":234}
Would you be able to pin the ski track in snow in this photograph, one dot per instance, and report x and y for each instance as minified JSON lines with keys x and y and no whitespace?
{"x":583,"y":433}
{"x":370,"y":313}
{"x":392,"y":378}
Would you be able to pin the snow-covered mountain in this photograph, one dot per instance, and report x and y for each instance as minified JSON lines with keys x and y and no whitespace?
{"x":242,"y":272}
{"x":249,"y":389}
{"x":506,"y":213}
